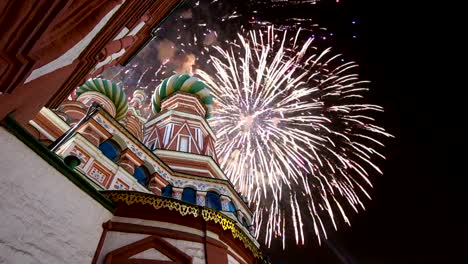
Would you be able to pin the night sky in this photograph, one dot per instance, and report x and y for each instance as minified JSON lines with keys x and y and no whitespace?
{"x":411,"y":219}
{"x":401,"y":48}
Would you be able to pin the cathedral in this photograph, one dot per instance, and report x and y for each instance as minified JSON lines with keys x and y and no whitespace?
{"x":86,"y":177}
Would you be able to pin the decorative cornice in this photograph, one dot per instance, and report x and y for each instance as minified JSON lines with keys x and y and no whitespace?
{"x":207,"y":214}
{"x":193,"y":157}
{"x":180,"y":95}
{"x":56,"y":120}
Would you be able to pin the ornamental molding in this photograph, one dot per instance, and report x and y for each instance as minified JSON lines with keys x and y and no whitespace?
{"x":184,"y":209}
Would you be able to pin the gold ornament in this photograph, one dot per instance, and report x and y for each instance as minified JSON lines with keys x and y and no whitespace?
{"x":208,"y":214}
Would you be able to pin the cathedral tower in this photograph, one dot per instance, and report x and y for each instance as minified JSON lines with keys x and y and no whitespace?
{"x":173,"y":202}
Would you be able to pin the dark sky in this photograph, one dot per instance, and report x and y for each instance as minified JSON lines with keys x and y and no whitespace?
{"x":402,"y":49}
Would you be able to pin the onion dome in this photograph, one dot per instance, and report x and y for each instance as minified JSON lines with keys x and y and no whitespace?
{"x":138,"y":98}
{"x":140,"y":94}
{"x":183,"y":83}
{"x":110,"y":90}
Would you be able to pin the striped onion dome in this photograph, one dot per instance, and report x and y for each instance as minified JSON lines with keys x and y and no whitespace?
{"x":110,"y":90}
{"x":139,"y":93}
{"x":184,"y":83}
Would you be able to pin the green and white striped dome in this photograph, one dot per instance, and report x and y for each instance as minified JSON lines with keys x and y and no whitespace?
{"x":110,"y":90}
{"x":184,"y":83}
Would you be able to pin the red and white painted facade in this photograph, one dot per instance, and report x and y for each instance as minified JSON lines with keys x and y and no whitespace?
{"x":51,"y":47}
{"x":181,"y":127}
{"x":178,"y":150}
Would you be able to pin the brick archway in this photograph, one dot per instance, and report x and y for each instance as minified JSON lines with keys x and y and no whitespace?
{"x":123,"y":255}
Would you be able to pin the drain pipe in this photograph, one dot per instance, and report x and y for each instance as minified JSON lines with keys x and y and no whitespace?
{"x":60,"y":140}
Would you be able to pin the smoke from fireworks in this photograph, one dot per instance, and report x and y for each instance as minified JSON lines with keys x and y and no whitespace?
{"x":184,"y":41}
{"x":294,"y":135}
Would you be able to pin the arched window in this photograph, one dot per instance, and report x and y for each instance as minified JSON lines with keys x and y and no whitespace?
{"x":110,"y":149}
{"x":213,"y":201}
{"x":142,"y":174}
{"x":232,"y":207}
{"x":189,"y":195}
{"x":167,"y":191}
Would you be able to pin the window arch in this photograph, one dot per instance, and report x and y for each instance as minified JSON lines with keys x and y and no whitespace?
{"x":110,"y":149}
{"x":213,"y":201}
{"x":232,"y":207}
{"x":142,"y":175}
{"x":189,"y":195}
{"x":167,"y":191}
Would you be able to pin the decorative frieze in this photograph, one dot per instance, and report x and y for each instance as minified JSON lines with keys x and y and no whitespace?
{"x":77,"y":152}
{"x":200,"y":185}
{"x":120,"y":185}
{"x":207,"y":214}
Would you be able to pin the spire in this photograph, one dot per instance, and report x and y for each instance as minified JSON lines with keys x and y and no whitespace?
{"x":134,"y":121}
{"x":138,"y":99}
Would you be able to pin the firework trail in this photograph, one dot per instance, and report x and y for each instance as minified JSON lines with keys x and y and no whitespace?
{"x":294,"y":135}
{"x":304,"y":138}
{"x":194,"y":29}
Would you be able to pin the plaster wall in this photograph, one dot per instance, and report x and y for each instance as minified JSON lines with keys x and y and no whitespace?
{"x":44,"y":217}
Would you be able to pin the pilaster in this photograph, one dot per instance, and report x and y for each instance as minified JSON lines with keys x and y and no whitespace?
{"x":177,"y":193}
{"x":201,"y":198}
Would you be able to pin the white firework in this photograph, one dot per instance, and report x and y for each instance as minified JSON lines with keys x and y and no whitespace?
{"x":294,"y":135}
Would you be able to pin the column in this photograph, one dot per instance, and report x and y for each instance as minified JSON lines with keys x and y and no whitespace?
{"x":177,"y":193}
{"x":129,"y":161}
{"x":201,"y":198}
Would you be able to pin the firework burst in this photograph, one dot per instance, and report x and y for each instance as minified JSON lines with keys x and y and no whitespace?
{"x":294,"y":135}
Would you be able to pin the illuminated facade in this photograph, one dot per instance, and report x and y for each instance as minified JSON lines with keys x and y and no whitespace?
{"x":145,"y":190}
{"x":170,"y":155}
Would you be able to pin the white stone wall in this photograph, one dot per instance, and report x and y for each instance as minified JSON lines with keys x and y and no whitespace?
{"x":193,"y":249}
{"x":115,"y":240}
{"x":44,"y":217}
